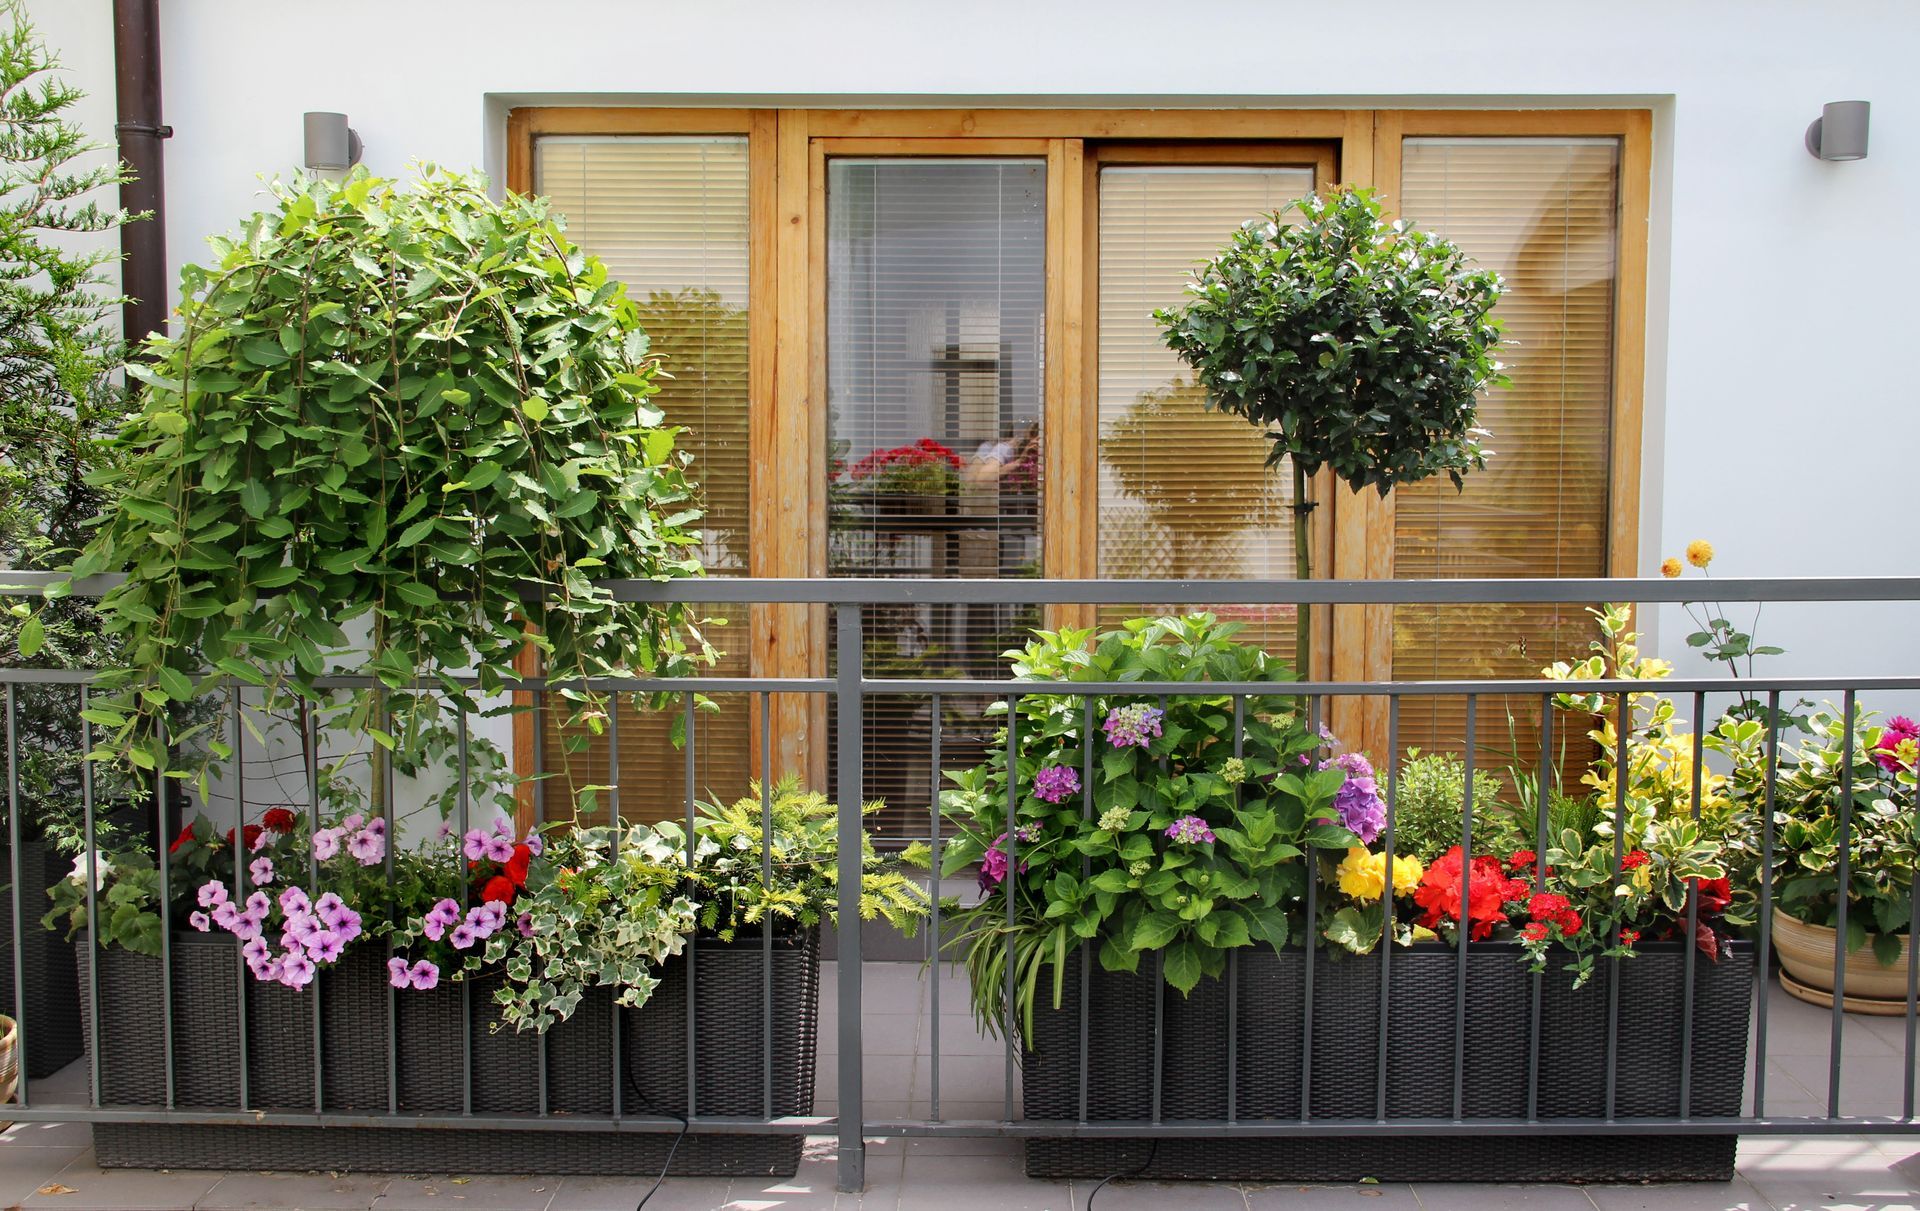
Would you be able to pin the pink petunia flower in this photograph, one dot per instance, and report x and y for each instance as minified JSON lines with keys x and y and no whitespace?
{"x":294,"y":899}
{"x":296,"y":969}
{"x":212,"y":893}
{"x":199,"y":921}
{"x":325,"y":946}
{"x":326,"y":844}
{"x":367,"y":847}
{"x":423,"y":975}
{"x":260,"y":870}
{"x":397,"y":972}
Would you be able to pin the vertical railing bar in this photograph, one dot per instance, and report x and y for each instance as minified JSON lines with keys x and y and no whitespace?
{"x":538,"y":706}
{"x":93,"y":906}
{"x":1843,"y":883}
{"x":1913,"y":983}
{"x":766,"y":917}
{"x":1086,"y":868}
{"x":1007,"y":887}
{"x":1466,"y":913}
{"x":393,"y":1010}
{"x":617,"y":1094}
{"x":463,"y":814}
{"x":1159,"y":1030}
{"x":693,"y":979}
{"x":1543,"y":788}
{"x":851,"y":760}
{"x":1766,"y":910}
{"x":166,"y":901}
{"x":933,"y":877}
{"x":1233,"y":956}
{"x":1386,"y":919}
{"x":238,"y":762}
{"x":1622,"y":734}
{"x":1690,"y":943}
{"x":19,"y":922}
{"x":1312,"y":861}
{"x":311,"y":768}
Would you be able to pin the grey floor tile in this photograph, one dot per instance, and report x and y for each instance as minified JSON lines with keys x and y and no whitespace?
{"x":46,"y":1135}
{"x":622,"y":1194}
{"x":1737,"y":1195}
{"x":502,"y":1193}
{"x":24,"y":1170}
{"x":1356,"y":1197}
{"x":308,"y":1191}
{"x":942,"y":1183}
{"x":1446,"y":1196}
{"x":1161,"y":1196}
{"x":1835,"y":1197}
{"x":96,"y":1189}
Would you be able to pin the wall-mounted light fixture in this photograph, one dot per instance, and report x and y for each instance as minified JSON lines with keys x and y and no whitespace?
{"x":1840,"y":132}
{"x":332,"y":146}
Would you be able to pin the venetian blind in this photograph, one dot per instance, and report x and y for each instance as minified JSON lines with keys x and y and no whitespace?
{"x":936,"y":276}
{"x":1543,"y":213}
{"x":1184,"y":492}
{"x":669,"y":217}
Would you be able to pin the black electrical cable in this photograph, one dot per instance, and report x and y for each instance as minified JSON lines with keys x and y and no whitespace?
{"x":633,"y":1087}
{"x":1136,"y":1171}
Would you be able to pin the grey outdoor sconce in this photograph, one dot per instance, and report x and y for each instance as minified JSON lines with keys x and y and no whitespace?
{"x":1840,"y":132}
{"x":332,"y":146}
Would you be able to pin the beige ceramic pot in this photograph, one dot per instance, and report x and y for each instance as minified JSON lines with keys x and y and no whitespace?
{"x":9,"y":1058}
{"x":1806,"y":961}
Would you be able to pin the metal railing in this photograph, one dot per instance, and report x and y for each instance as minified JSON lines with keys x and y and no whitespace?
{"x":850,"y":688}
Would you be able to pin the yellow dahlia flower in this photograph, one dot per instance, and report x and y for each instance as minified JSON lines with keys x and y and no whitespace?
{"x":1669,"y":567}
{"x":1699,"y":552}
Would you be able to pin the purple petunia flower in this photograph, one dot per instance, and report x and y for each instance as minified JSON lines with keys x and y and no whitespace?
{"x":347,"y":925}
{"x":1190,"y":830}
{"x":480,"y":921}
{"x":536,"y":844}
{"x":260,"y":870}
{"x":367,"y":847}
{"x":296,"y":969}
{"x":261,"y":840}
{"x":212,"y":893}
{"x":1133,"y":726}
{"x":225,"y":915}
{"x":473,"y":843}
{"x":301,"y":927}
{"x":326,"y":844}
{"x":1056,"y":783}
{"x":497,"y":848}
{"x":463,"y":936}
{"x":199,"y":921}
{"x":352,"y":822}
{"x":256,"y":951}
{"x":524,"y":924}
{"x":266,"y":970}
{"x":397,"y":972}
{"x":293,"y":899}
{"x":325,"y":946}
{"x":503,"y":827}
{"x":378,"y":826}
{"x":328,"y":908}
{"x":258,"y":905}
{"x":423,"y":975}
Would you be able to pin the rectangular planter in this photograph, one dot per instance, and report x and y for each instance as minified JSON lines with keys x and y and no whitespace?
{"x":434,"y":1033}
{"x":52,"y":1019}
{"x":1270,"y":1003}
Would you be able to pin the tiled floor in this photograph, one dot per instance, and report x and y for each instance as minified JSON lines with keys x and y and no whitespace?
{"x":51,"y":1165}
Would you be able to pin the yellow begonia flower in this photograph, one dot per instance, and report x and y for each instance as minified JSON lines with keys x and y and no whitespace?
{"x":1699,"y":552}
{"x":1669,"y":567}
{"x":1363,"y":875}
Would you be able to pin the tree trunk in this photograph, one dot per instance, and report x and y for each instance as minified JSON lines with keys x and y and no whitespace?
{"x":1303,"y":570}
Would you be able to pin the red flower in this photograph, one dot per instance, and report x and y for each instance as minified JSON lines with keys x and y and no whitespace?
{"x":250,"y":835}
{"x":1551,"y":909}
{"x":186,"y":835}
{"x":279,"y":820}
{"x":499,"y":888}
{"x":1487,"y":888}
{"x":1629,"y":936}
{"x":1715,"y":895}
{"x":1522,"y":858}
{"x":516,"y":866}
{"x":1634,"y":858}
{"x":1535,"y":932}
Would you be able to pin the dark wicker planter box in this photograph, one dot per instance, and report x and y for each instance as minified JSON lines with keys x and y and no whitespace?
{"x":52,"y":1013}
{"x":1420,"y":1065}
{"x":433,"y":1029}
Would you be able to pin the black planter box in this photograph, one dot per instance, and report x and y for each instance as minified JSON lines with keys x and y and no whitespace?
{"x":1420,"y":1067}
{"x":434,"y":1031}
{"x":52,"y":1021}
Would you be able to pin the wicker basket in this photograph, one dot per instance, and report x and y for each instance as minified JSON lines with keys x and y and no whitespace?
{"x":52,"y":1015}
{"x":1420,"y":1066}
{"x":434,"y":1032}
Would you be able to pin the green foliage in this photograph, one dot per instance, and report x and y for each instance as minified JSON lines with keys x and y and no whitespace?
{"x":417,"y":413}
{"x":803,"y":853}
{"x":1105,"y":872}
{"x":57,"y":404}
{"x":1352,"y":342}
{"x":1427,"y":808}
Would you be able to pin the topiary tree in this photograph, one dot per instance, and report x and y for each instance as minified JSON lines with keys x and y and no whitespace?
{"x":1351,"y":342}
{"x":416,"y":413}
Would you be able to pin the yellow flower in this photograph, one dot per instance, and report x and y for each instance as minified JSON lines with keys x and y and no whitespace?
{"x":1907,"y":752}
{"x":1669,"y":567}
{"x":1363,"y":875}
{"x":1699,"y":552}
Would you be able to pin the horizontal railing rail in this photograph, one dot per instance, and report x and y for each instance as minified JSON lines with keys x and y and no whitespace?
{"x":850,"y":687}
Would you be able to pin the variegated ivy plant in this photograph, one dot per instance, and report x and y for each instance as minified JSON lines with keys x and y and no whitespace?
{"x":397,"y":433}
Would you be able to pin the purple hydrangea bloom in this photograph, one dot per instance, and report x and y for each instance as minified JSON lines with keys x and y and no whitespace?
{"x":1056,"y":782}
{"x":1190,"y":830}
{"x":1133,"y":726}
{"x":213,"y":893}
{"x":993,"y":864}
{"x":1362,"y":812}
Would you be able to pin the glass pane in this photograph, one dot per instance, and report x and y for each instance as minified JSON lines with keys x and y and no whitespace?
{"x":669,"y":216}
{"x":936,"y":277}
{"x":1184,"y":492}
{"x":1541,"y":212}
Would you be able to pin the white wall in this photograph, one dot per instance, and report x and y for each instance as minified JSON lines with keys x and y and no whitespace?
{"x":1782,"y":418}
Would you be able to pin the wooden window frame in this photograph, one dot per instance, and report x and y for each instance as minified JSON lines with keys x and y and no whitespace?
{"x":787,"y":151}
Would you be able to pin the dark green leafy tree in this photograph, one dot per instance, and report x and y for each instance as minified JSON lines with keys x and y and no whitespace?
{"x":58,"y":401}
{"x":1351,"y":342}
{"x":399,"y":434}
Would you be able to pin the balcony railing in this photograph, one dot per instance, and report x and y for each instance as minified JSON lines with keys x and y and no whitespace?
{"x":849,"y":688}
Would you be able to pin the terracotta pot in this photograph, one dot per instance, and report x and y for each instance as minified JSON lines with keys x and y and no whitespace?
{"x":1806,"y":954}
{"x":9,"y":1062}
